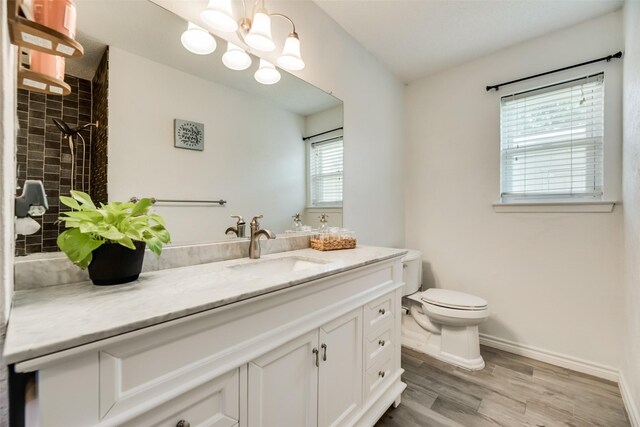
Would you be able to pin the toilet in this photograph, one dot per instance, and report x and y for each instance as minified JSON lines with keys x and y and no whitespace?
{"x":440,"y":322}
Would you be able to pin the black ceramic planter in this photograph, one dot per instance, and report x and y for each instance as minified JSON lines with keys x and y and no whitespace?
{"x":113,"y":264}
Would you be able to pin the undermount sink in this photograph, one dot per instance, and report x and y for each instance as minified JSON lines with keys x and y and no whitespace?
{"x":283,"y":265}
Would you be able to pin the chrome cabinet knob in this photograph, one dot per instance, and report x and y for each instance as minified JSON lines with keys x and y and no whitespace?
{"x":382,"y":311}
{"x":381,"y":342}
{"x":183,"y":423}
{"x":381,"y":373}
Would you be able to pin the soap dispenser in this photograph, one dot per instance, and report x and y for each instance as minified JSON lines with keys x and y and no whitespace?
{"x":324,"y":226}
{"x":297,"y":222}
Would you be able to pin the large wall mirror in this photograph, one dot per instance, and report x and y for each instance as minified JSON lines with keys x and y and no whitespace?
{"x":142,"y":87}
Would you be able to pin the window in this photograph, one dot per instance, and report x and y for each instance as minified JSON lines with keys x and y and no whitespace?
{"x":551,"y":142}
{"x":325,"y":172}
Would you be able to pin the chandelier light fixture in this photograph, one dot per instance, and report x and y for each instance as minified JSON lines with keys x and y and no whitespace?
{"x":256,"y":33}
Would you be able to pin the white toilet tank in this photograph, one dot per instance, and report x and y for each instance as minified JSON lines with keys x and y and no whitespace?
{"x":412,"y":272}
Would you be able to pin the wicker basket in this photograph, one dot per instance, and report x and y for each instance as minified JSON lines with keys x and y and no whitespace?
{"x":332,"y":243}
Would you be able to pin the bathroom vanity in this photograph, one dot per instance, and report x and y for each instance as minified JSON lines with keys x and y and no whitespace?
{"x":299,"y":338}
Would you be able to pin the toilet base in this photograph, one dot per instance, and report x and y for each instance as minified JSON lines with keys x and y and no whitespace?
{"x":418,"y":339}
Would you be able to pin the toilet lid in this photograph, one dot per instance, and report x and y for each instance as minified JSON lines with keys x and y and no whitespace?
{"x":453,"y":299}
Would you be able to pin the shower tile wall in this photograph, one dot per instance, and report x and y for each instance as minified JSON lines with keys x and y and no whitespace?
{"x":99,"y":160}
{"x":43,"y":154}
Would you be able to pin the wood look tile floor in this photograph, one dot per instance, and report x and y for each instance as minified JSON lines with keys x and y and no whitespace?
{"x":510,"y":391}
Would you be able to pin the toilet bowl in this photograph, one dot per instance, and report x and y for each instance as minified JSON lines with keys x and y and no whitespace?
{"x":440,"y":322}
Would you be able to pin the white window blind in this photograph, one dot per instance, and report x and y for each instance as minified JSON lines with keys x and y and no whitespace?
{"x":325,"y":172}
{"x":551,"y":142}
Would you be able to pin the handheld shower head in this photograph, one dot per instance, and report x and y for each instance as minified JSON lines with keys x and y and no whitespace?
{"x":67,"y":131}
{"x":64,"y":128}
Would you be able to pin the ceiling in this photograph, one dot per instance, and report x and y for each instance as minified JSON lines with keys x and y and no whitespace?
{"x":415,"y":38}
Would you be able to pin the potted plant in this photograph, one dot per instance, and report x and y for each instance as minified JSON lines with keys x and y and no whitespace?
{"x":110,"y":239}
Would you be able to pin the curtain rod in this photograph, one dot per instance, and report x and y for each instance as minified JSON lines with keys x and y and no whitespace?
{"x":306,"y":138}
{"x":604,"y":58}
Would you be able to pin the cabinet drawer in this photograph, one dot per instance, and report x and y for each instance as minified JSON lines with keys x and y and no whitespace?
{"x":214,"y":404}
{"x":378,"y":347}
{"x":378,"y":315}
{"x":379,"y":375}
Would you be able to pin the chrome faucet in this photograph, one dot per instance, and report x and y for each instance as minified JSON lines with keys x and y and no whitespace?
{"x":240,"y":227}
{"x":256,"y":232}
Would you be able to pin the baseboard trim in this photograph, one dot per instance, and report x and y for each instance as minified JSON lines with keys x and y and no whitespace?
{"x":569,"y":362}
{"x":633,"y":412}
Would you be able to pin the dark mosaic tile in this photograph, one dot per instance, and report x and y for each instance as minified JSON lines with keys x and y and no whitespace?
{"x":36,"y":155}
{"x":33,"y":249}
{"x":54,"y":112}
{"x":36,"y":114}
{"x":35,"y":96}
{"x":33,"y":239}
{"x":52,"y":160}
{"x":72,"y":121}
{"x":36,"y":130}
{"x":51,"y":169}
{"x":36,"y":106}
{"x":38,"y":139}
{"x":43,"y":154}
{"x":35,"y":147}
{"x":51,"y":152}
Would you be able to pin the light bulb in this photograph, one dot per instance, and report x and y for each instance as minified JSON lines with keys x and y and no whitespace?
{"x":197,"y":40}
{"x":267,"y":73}
{"x":290,"y":58}
{"x":219,"y":15}
{"x":259,"y":36}
{"x":235,"y":58}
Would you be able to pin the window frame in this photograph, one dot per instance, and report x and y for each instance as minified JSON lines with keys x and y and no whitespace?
{"x":549,"y":198}
{"x":308,"y":150}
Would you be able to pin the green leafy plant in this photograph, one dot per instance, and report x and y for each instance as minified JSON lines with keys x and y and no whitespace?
{"x":89,"y":227}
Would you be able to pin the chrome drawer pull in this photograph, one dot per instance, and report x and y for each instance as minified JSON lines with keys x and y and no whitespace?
{"x":381,"y":342}
{"x":382,"y":311}
{"x":183,"y":423}
{"x":381,"y":373}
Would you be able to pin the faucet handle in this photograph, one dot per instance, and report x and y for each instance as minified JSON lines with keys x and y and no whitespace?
{"x":239,"y":218}
{"x":256,"y":218}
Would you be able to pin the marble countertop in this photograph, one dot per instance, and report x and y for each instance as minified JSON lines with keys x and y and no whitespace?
{"x":56,"y":318}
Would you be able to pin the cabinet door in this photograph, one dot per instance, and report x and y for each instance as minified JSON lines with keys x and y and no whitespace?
{"x":340,"y":375}
{"x":283,"y":385}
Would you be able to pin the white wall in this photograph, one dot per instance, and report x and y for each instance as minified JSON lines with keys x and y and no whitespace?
{"x":552,"y":280}
{"x":631,"y":190}
{"x":253,"y":157}
{"x":373,"y":122}
{"x":7,"y":190}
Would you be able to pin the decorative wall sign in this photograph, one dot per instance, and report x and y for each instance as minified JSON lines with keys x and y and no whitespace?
{"x":189,"y":135}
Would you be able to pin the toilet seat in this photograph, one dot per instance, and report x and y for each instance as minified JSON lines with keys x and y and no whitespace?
{"x":455,"y":300}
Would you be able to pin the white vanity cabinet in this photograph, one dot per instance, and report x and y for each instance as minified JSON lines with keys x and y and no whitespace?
{"x":321,"y":353}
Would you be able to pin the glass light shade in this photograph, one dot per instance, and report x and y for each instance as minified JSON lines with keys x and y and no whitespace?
{"x":236,"y":58}
{"x":219,"y":15}
{"x":197,"y":40}
{"x":290,"y":58}
{"x":267,"y":73}
{"x":259,"y":36}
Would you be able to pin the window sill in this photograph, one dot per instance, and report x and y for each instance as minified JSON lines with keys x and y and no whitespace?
{"x":323,"y":209}
{"x":552,"y":207}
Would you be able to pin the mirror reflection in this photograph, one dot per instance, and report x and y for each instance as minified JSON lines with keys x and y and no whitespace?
{"x":148,"y":118}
